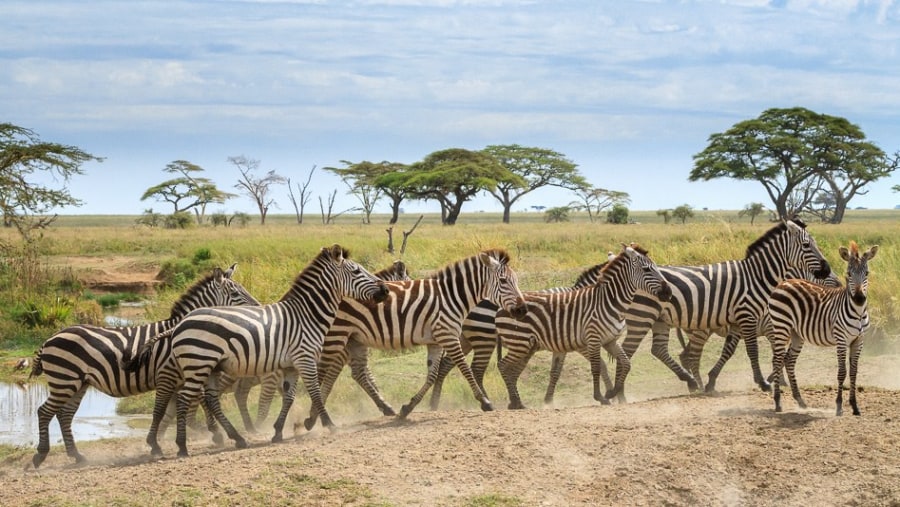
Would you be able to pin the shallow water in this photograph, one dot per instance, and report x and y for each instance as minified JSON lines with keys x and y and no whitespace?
{"x":96,"y":417}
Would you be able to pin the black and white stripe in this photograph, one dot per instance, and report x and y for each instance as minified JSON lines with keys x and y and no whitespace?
{"x":828,"y":317}
{"x":79,"y":357}
{"x":726,"y":295}
{"x":426,"y":312}
{"x":211,"y":348}
{"x":585,"y":320}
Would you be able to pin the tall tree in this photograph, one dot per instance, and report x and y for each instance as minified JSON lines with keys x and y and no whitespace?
{"x":454,"y":176}
{"x":537,"y":167}
{"x":394,"y":184}
{"x":301,"y":202}
{"x":25,"y":202}
{"x":783,"y":148}
{"x":258,"y":188}
{"x":187,"y":191}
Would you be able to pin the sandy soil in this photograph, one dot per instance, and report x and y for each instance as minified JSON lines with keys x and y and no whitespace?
{"x":730,"y":449}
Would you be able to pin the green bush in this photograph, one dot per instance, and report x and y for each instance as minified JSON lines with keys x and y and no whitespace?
{"x":618,"y":214}
{"x":36,"y":314}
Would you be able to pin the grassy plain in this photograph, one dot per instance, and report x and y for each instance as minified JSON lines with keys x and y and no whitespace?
{"x":544,"y":255}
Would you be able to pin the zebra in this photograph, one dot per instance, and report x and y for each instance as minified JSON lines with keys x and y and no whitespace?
{"x":212,"y":347}
{"x":693,"y":346}
{"x":396,"y":272}
{"x":83,"y":356}
{"x":586,"y":320}
{"x":480,"y":335}
{"x":730,"y":294}
{"x":827,"y":317}
{"x":428,"y":312}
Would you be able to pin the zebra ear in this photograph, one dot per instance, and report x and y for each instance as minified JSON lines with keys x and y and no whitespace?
{"x":845,"y":253}
{"x":487,"y":259}
{"x":336,"y":252}
{"x":870,"y":253}
{"x":400,"y":269}
{"x":219,"y":276}
{"x":230,"y":271}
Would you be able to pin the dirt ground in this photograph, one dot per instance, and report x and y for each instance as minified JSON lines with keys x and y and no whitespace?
{"x":728,"y":449}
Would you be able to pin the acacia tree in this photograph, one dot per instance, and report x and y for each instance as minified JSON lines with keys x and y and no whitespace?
{"x":453,"y":176}
{"x":256,"y":187}
{"x":783,"y":148}
{"x":187,"y":192}
{"x":752,"y":210}
{"x":394,"y":184}
{"x":361,"y":179}
{"x":24,"y":202}
{"x":595,"y":200}
{"x":537,"y":167}
{"x":683,"y":212}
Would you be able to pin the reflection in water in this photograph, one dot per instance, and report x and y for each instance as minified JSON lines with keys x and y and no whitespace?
{"x":96,"y":417}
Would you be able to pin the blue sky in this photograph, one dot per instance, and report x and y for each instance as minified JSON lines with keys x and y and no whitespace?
{"x":628,"y":90}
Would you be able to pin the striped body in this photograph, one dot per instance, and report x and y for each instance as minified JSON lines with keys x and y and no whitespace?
{"x":479,"y":334}
{"x":425,"y":312}
{"x":584,"y":320}
{"x":730,"y":294}
{"x":270,"y":383}
{"x":828,"y":317}
{"x":213,"y":347}
{"x":79,"y":357}
{"x":693,"y":349}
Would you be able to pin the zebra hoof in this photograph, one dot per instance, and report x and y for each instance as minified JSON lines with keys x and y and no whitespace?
{"x":309,"y":422}
{"x":156,"y":451}
{"x":404,"y":411}
{"x":240,"y":443}
{"x":182,"y":453}
{"x":487,"y":406}
{"x":604,"y":401}
{"x":765,"y":386}
{"x":693,"y":387}
{"x":388,"y":410}
{"x":38,"y":458}
{"x":218,"y":439}
{"x":516,"y":406}
{"x":277,"y":438}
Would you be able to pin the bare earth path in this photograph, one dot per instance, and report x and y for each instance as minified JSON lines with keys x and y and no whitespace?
{"x":729,"y":449}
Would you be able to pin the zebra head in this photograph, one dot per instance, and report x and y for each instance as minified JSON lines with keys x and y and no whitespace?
{"x":397,"y":272}
{"x":216,"y":289}
{"x":858,"y":271}
{"x":353,"y":280}
{"x":643,"y":272}
{"x":791,"y":246}
{"x":502,"y":283}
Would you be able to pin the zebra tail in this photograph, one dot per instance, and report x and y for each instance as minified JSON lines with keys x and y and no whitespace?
{"x":134,"y":363}
{"x":499,"y":348}
{"x":36,"y":367}
{"x":680,"y":334}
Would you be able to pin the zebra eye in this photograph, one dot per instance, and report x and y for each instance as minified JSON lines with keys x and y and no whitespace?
{"x":806,"y":244}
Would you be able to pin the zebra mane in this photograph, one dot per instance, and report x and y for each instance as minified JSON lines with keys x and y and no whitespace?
{"x":499,"y":254}
{"x":314,"y":265}
{"x":182,"y":306}
{"x":854,"y":249}
{"x":590,"y":275}
{"x":774,"y":232}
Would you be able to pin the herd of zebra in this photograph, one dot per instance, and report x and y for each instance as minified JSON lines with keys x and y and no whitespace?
{"x":218,"y":337}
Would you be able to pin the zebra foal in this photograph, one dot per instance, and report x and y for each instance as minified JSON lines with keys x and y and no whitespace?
{"x":79,"y":357}
{"x":585,"y":320}
{"x":828,"y":317}
{"x":212,"y":347}
{"x":428,"y":312}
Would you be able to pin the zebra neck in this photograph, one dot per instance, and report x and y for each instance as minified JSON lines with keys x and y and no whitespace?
{"x":617,"y":291}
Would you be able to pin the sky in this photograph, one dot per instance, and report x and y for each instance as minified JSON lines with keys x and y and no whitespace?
{"x":629,"y":91}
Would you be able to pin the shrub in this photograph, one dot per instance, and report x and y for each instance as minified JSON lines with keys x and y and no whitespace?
{"x":618,"y":214}
{"x":559,"y":214}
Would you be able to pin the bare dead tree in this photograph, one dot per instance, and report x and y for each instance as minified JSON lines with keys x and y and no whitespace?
{"x":304,"y":195}
{"x":407,"y":234}
{"x":390,"y":233}
{"x":254,"y":187}
{"x":329,"y":216}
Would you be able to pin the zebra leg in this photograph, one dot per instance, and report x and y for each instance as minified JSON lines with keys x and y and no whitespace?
{"x":598,"y":370}
{"x":842,"y":374}
{"x":690,"y":356}
{"x":444,"y":369}
{"x":329,"y":371}
{"x":660,"y":350}
{"x":790,"y":365}
{"x":623,"y":366}
{"x":307,"y":366}
{"x":556,"y":366}
{"x":511,"y":367}
{"x":46,"y":412}
{"x":731,"y":343}
{"x":165,"y":388}
{"x":288,"y":393}
{"x":241,"y":394}
{"x":779,"y":345}
{"x":751,"y":343}
{"x":434,"y":363}
{"x":64,"y":416}
{"x":359,"y":370}
{"x":855,"y":350}
{"x":215,"y":384}
{"x":211,"y":424}
{"x":268,"y":385}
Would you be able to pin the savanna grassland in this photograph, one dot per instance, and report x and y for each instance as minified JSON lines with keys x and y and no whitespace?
{"x":664,"y":447}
